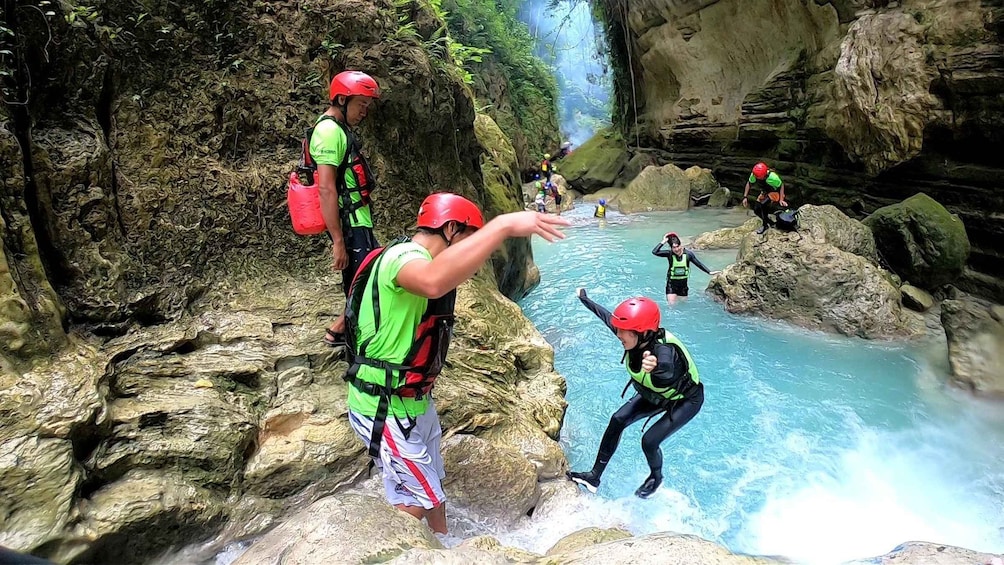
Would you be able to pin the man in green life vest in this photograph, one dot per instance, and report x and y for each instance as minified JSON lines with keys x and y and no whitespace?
{"x":665,"y":381}
{"x":680,"y":259}
{"x":400,"y":320}
{"x":771,"y":193}
{"x":345,"y":180}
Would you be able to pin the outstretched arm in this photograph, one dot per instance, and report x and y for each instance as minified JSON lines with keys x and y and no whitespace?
{"x":697,"y":262}
{"x":601,"y":312}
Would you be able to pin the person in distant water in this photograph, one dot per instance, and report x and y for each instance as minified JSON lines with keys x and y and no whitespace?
{"x":401,"y":313}
{"x":679,"y":266}
{"x":552,"y":189}
{"x":770,"y":195}
{"x":600,"y":211}
{"x":665,"y":380}
{"x":546,"y":168}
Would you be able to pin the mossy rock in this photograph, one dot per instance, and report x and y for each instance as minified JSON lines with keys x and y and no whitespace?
{"x":597,"y":163}
{"x":922,"y":241}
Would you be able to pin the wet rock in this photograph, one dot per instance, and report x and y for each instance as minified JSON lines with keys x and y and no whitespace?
{"x":480,"y":549}
{"x":672,"y":549}
{"x":921,"y":241}
{"x":815,"y":285}
{"x":916,"y":298}
{"x":39,"y":479}
{"x":638,"y":163}
{"x":656,"y":188}
{"x":493,"y":483}
{"x":726,"y":238}
{"x":305,"y":438}
{"x":610,"y":194}
{"x":924,"y":553}
{"x":596,"y":163}
{"x":543,"y":452}
{"x":143,"y":513}
{"x":331,"y":529}
{"x":975,"y":345}
{"x":587,"y":537}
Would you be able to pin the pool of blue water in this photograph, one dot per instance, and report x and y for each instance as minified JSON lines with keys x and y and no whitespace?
{"x":817,"y":447}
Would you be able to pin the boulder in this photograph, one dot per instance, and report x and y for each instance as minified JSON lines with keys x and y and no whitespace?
{"x":726,"y":238}
{"x":702,"y":181}
{"x":491,"y":482}
{"x":610,"y":194}
{"x":638,"y":163}
{"x":975,"y":335}
{"x":880,"y":100}
{"x":587,"y":537}
{"x":816,"y":285}
{"x":597,"y":162}
{"x":924,"y":553}
{"x":656,"y":188}
{"x":720,"y":198}
{"x":346,"y":528}
{"x":479,"y":549}
{"x":827,"y":224}
{"x":916,"y":298}
{"x":672,"y":549}
{"x":921,"y":241}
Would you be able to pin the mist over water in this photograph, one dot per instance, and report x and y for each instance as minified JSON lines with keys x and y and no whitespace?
{"x":817,"y":447}
{"x":574,"y":46}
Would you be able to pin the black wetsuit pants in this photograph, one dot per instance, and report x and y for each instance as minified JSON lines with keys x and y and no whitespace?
{"x":680,"y":412}
{"x":763,"y":209}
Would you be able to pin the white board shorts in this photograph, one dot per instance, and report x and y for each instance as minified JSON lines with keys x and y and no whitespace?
{"x":412,"y":467}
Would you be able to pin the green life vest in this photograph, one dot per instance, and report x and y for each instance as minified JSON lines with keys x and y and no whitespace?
{"x":679,"y":267}
{"x":642,"y":381}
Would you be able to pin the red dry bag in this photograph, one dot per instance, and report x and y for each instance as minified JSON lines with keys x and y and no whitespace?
{"x":305,"y":207}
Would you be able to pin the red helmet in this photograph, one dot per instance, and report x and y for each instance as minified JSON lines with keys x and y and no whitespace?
{"x":353,"y":83}
{"x":636,"y":314}
{"x":442,"y":207}
{"x":760,"y":170}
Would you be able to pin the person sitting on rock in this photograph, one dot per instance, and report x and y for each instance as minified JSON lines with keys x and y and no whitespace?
{"x":770,"y":189}
{"x":665,"y":380}
{"x":679,"y":258}
{"x":399,"y":322}
{"x":600,"y":211}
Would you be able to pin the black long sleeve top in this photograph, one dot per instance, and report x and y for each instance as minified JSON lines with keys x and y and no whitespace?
{"x":671,"y":368}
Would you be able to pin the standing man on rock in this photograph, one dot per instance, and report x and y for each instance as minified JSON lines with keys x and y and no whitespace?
{"x":345,"y":180}
{"x":399,"y":321}
{"x":770,"y":189}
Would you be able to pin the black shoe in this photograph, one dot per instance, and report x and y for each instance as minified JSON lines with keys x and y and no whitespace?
{"x":761,"y":229}
{"x":587,"y":479}
{"x":647,"y":488}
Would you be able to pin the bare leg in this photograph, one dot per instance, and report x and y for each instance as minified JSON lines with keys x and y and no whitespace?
{"x":671,"y":298}
{"x":435,"y":517}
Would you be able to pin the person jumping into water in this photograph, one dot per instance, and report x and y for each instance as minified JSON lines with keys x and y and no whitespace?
{"x":679,"y":258}
{"x":665,"y":380}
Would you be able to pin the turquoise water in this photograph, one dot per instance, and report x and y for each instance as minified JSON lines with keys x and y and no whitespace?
{"x":817,"y":447}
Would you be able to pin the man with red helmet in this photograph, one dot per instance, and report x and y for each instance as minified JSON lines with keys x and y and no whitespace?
{"x":399,"y":322}
{"x":665,"y":380}
{"x":344,"y":179}
{"x":771,"y":191}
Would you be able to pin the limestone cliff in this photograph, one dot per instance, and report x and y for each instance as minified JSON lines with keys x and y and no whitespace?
{"x":858,"y":103}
